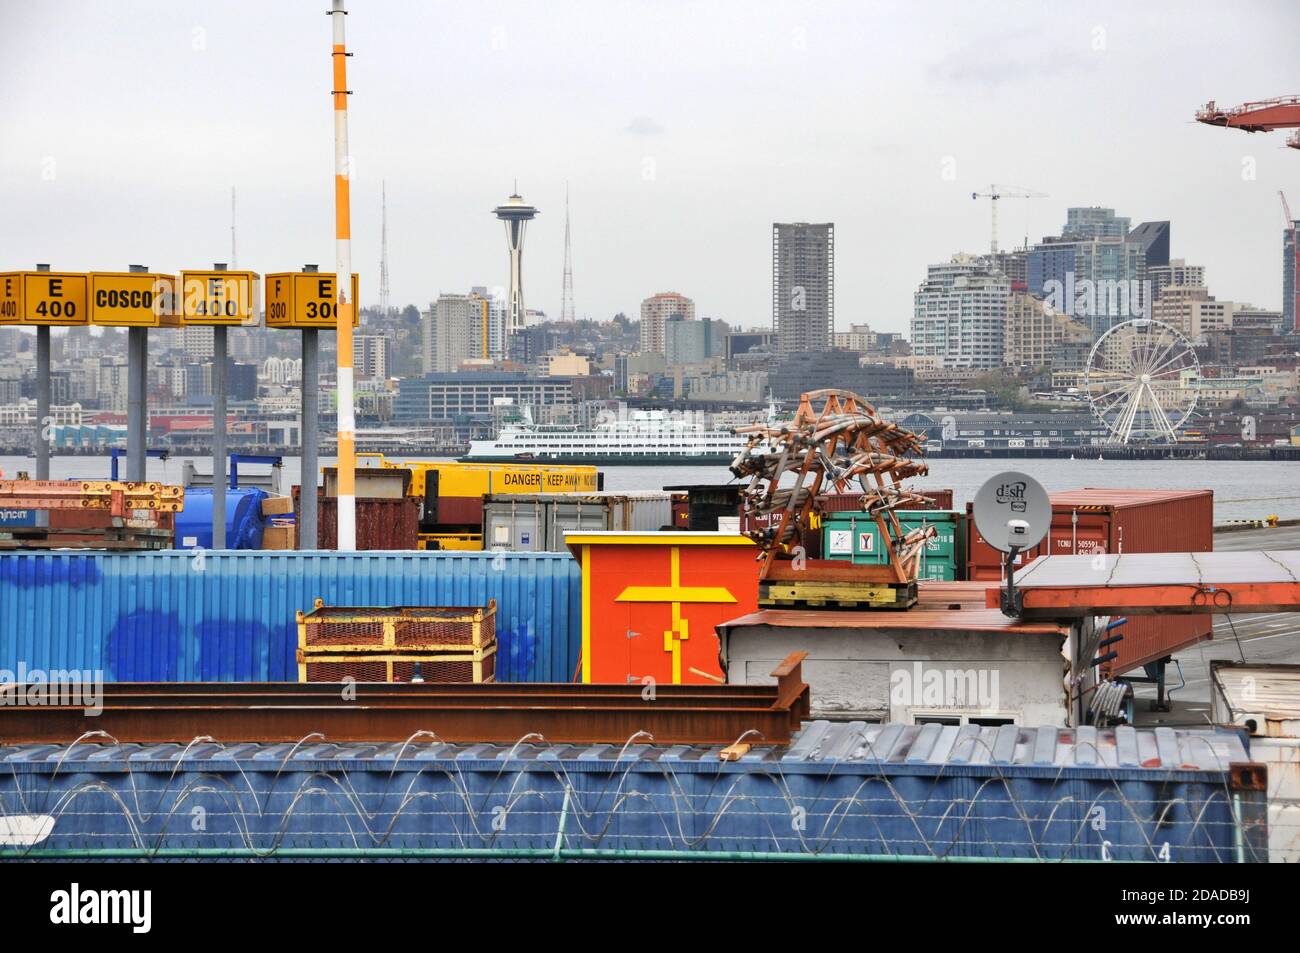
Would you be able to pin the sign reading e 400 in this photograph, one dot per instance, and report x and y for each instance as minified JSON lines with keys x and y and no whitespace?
{"x":305,"y":299}
{"x":43,"y":297}
{"x":219,"y":297}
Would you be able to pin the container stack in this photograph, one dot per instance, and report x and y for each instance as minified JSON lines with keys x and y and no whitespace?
{"x":397,"y":644}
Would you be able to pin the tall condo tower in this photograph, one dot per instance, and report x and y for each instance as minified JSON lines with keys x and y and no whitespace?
{"x":803,"y":286}
{"x":383,"y":249}
{"x":566,"y":296}
{"x":516,"y":214}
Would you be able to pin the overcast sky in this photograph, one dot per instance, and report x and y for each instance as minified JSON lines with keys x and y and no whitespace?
{"x":683,"y":129}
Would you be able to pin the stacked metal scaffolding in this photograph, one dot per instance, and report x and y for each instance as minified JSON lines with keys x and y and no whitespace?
{"x":845,"y":443}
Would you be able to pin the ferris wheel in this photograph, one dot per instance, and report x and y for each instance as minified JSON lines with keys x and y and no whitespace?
{"x":1140,"y":381}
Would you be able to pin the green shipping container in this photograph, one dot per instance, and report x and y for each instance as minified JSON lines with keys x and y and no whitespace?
{"x":856,"y":537}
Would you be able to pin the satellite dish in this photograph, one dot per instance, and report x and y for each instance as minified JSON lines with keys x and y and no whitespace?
{"x":1012,"y":510}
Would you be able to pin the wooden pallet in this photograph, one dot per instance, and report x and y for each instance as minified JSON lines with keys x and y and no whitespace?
{"x":835,"y":594}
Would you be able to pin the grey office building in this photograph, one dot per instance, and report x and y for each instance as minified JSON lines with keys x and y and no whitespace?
{"x":803,"y":286}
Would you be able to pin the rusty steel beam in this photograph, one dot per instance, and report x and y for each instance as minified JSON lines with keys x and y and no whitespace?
{"x":91,"y":494}
{"x":161,"y":713}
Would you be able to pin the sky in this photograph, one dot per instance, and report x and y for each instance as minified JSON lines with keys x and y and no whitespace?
{"x":682,"y":130}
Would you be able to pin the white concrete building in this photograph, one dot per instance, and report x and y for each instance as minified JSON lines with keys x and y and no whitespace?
{"x":960,"y":313}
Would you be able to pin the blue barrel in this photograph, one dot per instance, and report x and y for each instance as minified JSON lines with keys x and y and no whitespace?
{"x":244,"y":521}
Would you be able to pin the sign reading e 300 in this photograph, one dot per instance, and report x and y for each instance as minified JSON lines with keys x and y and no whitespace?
{"x":43,"y":297}
{"x":218,"y":297}
{"x":305,"y":299}
{"x":133,"y":299}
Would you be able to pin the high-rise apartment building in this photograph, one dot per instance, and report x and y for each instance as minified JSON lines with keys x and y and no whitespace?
{"x":803,"y":286}
{"x":459,"y":328}
{"x":196,"y":342}
{"x":694,"y":342}
{"x":1154,"y":239}
{"x":1094,"y":222}
{"x":960,"y":313}
{"x":1110,"y":283}
{"x":1290,"y":282}
{"x":656,"y":311}
{"x":1175,"y":273}
{"x":1036,"y":335}
{"x":372,"y":356}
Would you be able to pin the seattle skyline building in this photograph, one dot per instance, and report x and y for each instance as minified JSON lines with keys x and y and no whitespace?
{"x":516,"y":214}
{"x":803,"y":286}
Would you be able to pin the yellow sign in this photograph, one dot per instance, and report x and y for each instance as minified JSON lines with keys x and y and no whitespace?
{"x":122,"y":299}
{"x":305,"y":299}
{"x":43,"y":297}
{"x":219,"y":297}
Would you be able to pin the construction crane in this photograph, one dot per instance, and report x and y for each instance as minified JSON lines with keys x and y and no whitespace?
{"x":994,"y":195}
{"x":1266,"y":115}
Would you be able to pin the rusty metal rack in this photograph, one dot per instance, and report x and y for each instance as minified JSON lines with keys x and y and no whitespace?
{"x":288,"y":712}
{"x":385,"y":644}
{"x":829,"y":451}
{"x":138,"y":515}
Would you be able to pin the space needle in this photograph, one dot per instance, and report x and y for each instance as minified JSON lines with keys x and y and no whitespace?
{"x":516,"y":214}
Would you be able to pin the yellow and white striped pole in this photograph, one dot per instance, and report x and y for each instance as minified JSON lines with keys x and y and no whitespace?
{"x":347,"y":451}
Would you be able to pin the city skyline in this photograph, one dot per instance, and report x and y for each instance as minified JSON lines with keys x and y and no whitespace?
{"x":677,"y":168}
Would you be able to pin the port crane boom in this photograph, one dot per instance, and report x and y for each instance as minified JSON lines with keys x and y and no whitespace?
{"x":1265,"y":115}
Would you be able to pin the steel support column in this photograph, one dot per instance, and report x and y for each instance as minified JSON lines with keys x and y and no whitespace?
{"x":309,"y":434}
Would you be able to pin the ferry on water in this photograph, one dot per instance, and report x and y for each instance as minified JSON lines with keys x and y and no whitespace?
{"x":641,"y":437}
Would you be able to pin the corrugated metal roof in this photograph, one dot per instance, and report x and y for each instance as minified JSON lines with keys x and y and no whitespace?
{"x":947,"y":606}
{"x":1161,"y":569}
{"x":1111,"y":496}
{"x":1268,"y":693}
{"x":819,"y":745}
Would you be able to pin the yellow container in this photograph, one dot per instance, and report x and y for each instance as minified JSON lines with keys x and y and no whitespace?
{"x":476,"y":479}
{"x":467,"y":542}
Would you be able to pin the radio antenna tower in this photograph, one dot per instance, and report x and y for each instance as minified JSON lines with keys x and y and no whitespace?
{"x":383,"y":249}
{"x":566,"y":296}
{"x":233,"y":259}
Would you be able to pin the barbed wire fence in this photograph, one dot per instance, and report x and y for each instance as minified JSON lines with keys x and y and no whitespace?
{"x":423,"y":800}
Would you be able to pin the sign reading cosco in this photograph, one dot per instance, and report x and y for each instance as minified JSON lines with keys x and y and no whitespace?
{"x":133,"y":299}
{"x":219,"y":297}
{"x":43,"y":297}
{"x":305,"y":299}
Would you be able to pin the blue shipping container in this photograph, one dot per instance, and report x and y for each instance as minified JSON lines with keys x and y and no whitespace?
{"x":932,"y":792}
{"x":230,"y":616}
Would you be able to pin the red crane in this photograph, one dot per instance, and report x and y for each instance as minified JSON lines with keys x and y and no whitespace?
{"x":1263,"y":116}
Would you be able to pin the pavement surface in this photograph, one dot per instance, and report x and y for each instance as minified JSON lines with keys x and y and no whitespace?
{"x":1258,"y":638}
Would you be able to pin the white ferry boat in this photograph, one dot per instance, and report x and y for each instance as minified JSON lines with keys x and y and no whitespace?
{"x":642,"y":437}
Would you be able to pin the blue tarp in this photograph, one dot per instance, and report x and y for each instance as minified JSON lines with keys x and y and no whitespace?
{"x":244,"y":522}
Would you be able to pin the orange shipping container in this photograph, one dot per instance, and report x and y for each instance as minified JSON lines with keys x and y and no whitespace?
{"x":651,"y":602}
{"x":1095,"y":521}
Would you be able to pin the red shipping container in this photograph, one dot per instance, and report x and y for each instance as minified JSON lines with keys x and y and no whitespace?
{"x":382,"y":523}
{"x":1097,"y":521}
